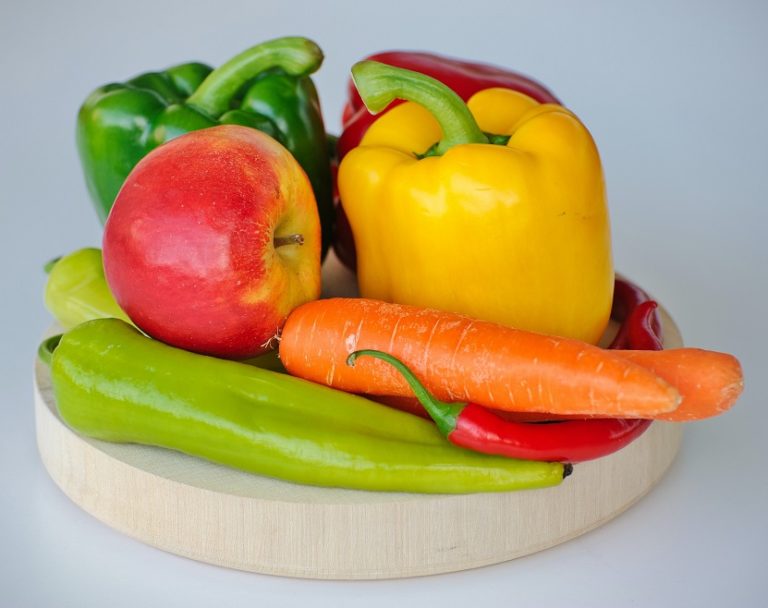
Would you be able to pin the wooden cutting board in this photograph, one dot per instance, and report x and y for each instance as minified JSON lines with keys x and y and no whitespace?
{"x":214,"y":514}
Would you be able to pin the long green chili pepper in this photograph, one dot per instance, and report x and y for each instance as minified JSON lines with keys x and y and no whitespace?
{"x":115,"y":384}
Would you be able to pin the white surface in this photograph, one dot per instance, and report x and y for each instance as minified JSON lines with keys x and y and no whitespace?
{"x":675,"y":95}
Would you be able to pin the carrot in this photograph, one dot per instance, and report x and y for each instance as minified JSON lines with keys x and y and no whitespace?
{"x":461,"y":359}
{"x":709,"y":382}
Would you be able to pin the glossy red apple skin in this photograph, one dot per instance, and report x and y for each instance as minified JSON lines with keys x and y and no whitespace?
{"x":189,"y":246}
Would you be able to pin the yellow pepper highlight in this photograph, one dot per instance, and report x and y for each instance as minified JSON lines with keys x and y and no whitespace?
{"x":516,"y":234}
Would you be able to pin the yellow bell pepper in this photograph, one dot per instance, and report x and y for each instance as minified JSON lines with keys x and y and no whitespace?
{"x":511,"y":227}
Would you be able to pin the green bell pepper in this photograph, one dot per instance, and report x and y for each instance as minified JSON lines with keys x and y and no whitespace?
{"x":266,"y":87}
{"x":115,"y":384}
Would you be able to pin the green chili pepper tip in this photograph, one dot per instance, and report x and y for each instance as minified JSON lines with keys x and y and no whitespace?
{"x":48,"y":266}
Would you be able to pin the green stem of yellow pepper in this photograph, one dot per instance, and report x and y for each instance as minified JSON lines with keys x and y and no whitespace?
{"x":380,"y":84}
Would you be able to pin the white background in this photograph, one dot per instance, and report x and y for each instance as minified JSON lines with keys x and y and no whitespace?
{"x":675,"y":94}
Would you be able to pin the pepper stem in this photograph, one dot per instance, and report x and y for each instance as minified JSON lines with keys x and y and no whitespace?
{"x":46,"y":348}
{"x":380,"y":84}
{"x":50,"y":264}
{"x":297,"y":56}
{"x":444,"y":414}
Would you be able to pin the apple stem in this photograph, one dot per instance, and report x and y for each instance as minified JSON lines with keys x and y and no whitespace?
{"x":291,"y":239}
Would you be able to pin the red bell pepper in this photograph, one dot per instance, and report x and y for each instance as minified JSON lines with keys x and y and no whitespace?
{"x":464,"y":77}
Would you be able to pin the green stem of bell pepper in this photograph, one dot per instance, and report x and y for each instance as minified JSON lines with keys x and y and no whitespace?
{"x":380,"y":84}
{"x":115,"y":384}
{"x":295,"y":55}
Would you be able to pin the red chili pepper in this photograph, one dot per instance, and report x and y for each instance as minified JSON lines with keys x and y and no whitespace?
{"x":474,"y":427}
{"x":465,"y":77}
{"x":640,"y":321}
{"x":568,"y":441}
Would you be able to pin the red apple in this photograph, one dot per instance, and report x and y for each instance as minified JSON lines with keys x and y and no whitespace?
{"x":213,"y":239}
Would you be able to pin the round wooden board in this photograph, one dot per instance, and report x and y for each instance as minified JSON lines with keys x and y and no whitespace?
{"x":210,"y":513}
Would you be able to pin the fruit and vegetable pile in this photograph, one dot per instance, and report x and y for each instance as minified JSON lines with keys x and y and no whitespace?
{"x":471,"y":205}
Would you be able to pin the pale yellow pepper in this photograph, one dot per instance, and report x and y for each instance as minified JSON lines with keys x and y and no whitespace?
{"x":515,"y":232}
